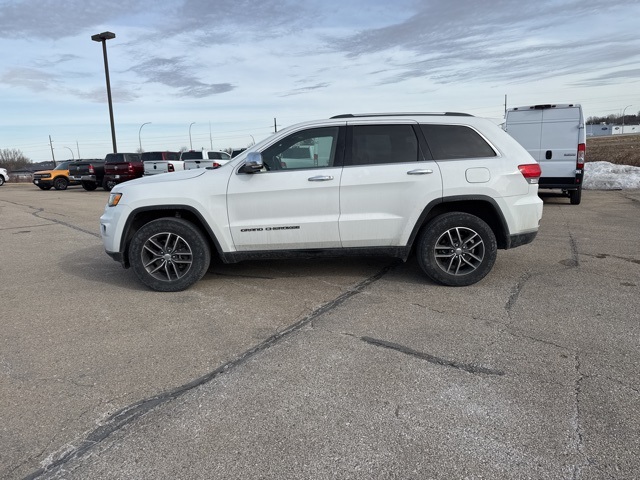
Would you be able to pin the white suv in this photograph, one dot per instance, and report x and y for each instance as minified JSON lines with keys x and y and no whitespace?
{"x":4,"y":176}
{"x":450,"y":187}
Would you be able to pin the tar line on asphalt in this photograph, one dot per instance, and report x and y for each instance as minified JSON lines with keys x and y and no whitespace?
{"x":129,"y":414}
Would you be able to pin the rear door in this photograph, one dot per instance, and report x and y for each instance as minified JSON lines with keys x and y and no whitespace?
{"x":559,"y":142}
{"x":526,"y":127}
{"x":386,"y":183}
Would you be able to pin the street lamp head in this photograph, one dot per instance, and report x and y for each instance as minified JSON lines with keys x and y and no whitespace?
{"x":101,"y":37}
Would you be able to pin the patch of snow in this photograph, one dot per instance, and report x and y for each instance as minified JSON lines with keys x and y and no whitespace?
{"x":609,"y":176}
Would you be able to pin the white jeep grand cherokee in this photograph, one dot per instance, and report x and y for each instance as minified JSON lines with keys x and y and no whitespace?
{"x":450,"y":187}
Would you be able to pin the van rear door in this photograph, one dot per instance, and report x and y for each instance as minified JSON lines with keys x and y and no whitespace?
{"x":526,"y":127}
{"x":559,"y":142}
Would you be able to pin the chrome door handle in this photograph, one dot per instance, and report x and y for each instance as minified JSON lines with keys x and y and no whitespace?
{"x":321,"y":178}
{"x":420,"y":171}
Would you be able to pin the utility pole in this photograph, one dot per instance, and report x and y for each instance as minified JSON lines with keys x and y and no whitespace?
{"x":78,"y":147}
{"x":52,"y":155}
{"x":210,"y":137}
{"x":275,"y":127}
{"x":505,"y":105}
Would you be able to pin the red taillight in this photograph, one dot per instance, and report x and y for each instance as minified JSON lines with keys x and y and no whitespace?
{"x":582,"y":150}
{"x":531,"y":172}
{"x":170,"y":167}
{"x":130,"y":168}
{"x":91,"y":170}
{"x":216,"y":165}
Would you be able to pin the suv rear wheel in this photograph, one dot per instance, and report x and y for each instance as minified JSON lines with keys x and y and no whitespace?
{"x":169,"y":254}
{"x":457,"y":249}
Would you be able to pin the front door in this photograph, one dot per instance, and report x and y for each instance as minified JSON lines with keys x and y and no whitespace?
{"x":294,"y":203}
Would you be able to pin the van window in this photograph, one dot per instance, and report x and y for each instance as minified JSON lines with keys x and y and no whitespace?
{"x":377,"y":144}
{"x":449,"y":142}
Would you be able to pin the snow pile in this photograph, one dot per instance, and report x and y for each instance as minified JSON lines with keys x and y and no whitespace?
{"x":609,"y":176}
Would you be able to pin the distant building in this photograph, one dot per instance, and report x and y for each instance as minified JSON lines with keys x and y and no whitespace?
{"x":599,"y":130}
{"x":628,"y":129}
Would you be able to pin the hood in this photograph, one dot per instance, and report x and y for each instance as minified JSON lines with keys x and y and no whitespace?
{"x":168,"y":177}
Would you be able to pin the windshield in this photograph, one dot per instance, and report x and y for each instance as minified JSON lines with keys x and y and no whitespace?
{"x":63,"y":166}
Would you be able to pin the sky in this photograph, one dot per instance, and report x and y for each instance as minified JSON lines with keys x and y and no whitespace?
{"x":225,"y":73}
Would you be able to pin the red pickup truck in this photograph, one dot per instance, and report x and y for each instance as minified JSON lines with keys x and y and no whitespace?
{"x":120,"y":167}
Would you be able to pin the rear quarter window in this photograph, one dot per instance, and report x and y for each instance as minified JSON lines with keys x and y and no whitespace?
{"x":450,"y":142}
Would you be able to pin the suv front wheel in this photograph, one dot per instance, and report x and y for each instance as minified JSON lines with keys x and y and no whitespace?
{"x":457,"y":249}
{"x":169,"y":254}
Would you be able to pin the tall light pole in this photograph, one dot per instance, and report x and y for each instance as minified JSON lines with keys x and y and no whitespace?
{"x":103,"y":37}
{"x":72,"y":157}
{"x":139,"y":138}
{"x":190,"y":143}
{"x":625,"y":109}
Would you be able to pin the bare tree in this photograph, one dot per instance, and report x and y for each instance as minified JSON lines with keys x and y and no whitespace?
{"x":13,"y":159}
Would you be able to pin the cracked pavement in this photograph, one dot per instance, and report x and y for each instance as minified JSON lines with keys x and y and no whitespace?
{"x":346,"y":368}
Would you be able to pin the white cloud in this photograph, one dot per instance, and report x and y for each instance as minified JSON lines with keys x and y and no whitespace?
{"x":240,"y":63}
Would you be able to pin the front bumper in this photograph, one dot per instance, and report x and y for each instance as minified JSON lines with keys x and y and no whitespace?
{"x":43,"y":182}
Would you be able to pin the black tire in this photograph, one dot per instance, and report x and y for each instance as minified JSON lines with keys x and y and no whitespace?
{"x":169,"y":254}
{"x":44,"y":187}
{"x":1,"y":180}
{"x":60,"y":183}
{"x":575,"y":196}
{"x":457,"y":249}
{"x":108,"y":184}
{"x":89,"y":186}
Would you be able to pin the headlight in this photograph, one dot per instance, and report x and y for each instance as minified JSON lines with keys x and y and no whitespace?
{"x":114,"y":199}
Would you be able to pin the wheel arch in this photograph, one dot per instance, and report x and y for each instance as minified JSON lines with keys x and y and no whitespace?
{"x":481,"y":206}
{"x":144,"y":215}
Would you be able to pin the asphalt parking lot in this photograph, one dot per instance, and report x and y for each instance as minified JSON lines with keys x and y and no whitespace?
{"x":348,"y":368}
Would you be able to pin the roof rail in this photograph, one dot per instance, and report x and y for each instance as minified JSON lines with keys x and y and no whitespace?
{"x":395,"y":114}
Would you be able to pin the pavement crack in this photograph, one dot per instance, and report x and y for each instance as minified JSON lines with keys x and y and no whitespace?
{"x":576,"y":422}
{"x":515,"y":292}
{"x":470,"y":368}
{"x":607,"y":255}
{"x":131,"y":413}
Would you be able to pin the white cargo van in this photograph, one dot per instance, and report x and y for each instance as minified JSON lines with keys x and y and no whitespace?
{"x":555,"y":136}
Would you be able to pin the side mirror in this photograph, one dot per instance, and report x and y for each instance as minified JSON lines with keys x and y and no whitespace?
{"x":253,"y":163}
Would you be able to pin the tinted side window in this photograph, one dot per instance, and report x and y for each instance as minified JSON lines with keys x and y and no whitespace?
{"x":314,"y":148}
{"x":219,"y":156}
{"x":150,"y":156}
{"x":191,"y":156}
{"x":376,"y":144}
{"x":448,"y":142}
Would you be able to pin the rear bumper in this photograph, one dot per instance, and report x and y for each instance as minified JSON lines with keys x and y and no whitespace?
{"x":521,"y":239}
{"x":565,"y":183}
{"x":119,"y":178}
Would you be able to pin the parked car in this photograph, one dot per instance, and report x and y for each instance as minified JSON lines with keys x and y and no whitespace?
{"x":204,"y":159}
{"x":452,"y":188}
{"x":4,"y":176}
{"x":89,"y":172}
{"x":555,"y":136}
{"x":57,"y":178}
{"x":161,"y":162}
{"x":120,"y":167}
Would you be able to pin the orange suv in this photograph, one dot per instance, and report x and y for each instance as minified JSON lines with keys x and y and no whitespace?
{"x":57,"y":178}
